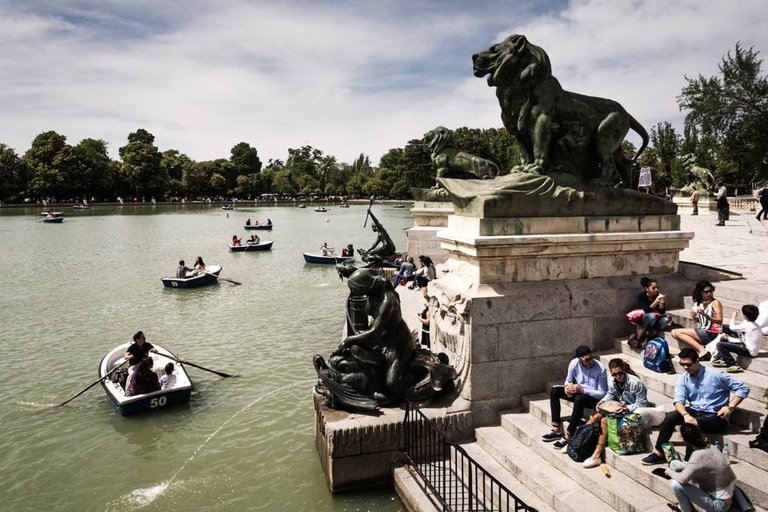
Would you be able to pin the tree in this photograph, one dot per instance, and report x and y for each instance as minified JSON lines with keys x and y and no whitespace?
{"x":732,"y":110}
{"x":96,"y":169}
{"x":245,"y":158}
{"x":666,"y":144}
{"x":14,"y":175}
{"x":52,"y":164}
{"x":141,"y":168}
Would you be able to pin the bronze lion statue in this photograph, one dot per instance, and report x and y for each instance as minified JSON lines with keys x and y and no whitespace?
{"x":557,"y":130}
{"x":450,"y":162}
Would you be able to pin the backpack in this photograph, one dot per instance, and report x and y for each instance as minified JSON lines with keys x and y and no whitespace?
{"x":656,"y":356}
{"x":625,"y":434}
{"x":583,"y":442}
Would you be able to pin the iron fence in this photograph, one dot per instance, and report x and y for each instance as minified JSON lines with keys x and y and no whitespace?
{"x":450,"y":477}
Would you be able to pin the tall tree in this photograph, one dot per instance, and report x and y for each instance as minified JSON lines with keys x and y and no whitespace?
{"x":53,"y":166}
{"x":666,"y":143}
{"x":141,"y":168}
{"x":245,"y":158}
{"x":14,"y":175}
{"x":97,"y":169}
{"x":732,"y":110}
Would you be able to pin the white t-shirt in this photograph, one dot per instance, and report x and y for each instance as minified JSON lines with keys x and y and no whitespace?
{"x":750,"y":334}
{"x":762,"y":318}
{"x":167,"y":381}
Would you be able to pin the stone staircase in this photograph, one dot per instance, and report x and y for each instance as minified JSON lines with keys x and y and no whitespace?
{"x":515,"y":454}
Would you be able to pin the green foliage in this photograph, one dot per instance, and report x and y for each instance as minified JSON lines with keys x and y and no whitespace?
{"x":727,"y":117}
{"x":14,"y":175}
{"x":53,"y":166}
{"x":245,"y":159}
{"x":141,"y":170}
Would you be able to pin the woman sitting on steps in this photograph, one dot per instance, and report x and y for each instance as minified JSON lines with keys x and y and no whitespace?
{"x":708,"y":313}
{"x":624,"y":386}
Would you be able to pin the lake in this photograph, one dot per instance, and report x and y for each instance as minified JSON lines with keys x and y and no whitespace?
{"x":72,"y":291}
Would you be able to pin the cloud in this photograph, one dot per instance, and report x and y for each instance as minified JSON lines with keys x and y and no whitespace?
{"x":344,"y":77}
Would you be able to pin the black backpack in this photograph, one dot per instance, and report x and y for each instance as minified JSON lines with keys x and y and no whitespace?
{"x":583,"y":442}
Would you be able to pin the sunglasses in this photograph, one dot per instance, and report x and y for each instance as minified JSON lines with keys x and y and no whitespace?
{"x":687,"y":365}
{"x":708,"y":290}
{"x":617,"y":374}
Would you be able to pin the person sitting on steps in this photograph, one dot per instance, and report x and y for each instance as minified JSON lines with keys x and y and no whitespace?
{"x":655,"y":319}
{"x":702,"y":398}
{"x":708,"y":313}
{"x":585,"y":384}
{"x":625,"y":387}
{"x":748,"y":346}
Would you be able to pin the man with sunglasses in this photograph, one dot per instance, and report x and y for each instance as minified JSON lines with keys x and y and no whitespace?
{"x":707,"y":393}
{"x":585,"y":384}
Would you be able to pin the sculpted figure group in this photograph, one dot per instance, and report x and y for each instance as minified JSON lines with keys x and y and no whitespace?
{"x":379,"y":364}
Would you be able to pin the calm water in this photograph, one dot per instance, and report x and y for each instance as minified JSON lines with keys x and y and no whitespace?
{"x":71,"y":291}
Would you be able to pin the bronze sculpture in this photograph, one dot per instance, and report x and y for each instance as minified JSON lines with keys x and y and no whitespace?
{"x":382,"y":252}
{"x":379,"y":364}
{"x":558,"y":131}
{"x":450,"y":162}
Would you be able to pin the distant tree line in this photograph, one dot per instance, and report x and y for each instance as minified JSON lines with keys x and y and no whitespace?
{"x":726,"y":125}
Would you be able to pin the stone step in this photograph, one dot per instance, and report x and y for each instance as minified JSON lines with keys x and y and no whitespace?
{"x":528,"y":429}
{"x":410,"y":491}
{"x":665,"y":383}
{"x":520,"y":431}
{"x":531,"y":497}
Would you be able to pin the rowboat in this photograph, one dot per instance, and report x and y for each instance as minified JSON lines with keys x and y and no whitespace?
{"x":179,"y":393}
{"x":193,"y":280}
{"x":265,"y":227}
{"x":52,"y":214}
{"x":327,"y":260}
{"x":345,"y":205}
{"x":265,"y":245}
{"x":302,"y":205}
{"x":227,"y":207}
{"x":321,"y":209}
{"x":81,"y":207}
{"x":398,"y":206}
{"x":53,"y":220}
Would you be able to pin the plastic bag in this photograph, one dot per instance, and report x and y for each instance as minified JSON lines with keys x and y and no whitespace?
{"x":625,"y":434}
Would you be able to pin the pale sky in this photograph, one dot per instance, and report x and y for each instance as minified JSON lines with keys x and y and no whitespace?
{"x":346,"y":77}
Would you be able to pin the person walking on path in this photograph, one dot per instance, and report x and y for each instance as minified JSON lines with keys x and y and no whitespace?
{"x":722,"y":204}
{"x":695,"y":201}
{"x":762,"y":196}
{"x":585,"y":384}
{"x":702,"y":398}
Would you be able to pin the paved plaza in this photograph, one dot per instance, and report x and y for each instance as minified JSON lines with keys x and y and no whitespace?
{"x":739,"y":246}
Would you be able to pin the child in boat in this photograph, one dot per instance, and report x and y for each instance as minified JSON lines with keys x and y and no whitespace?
{"x":235,"y":241}
{"x":169,"y":379}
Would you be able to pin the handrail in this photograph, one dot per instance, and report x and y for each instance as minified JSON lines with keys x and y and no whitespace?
{"x":450,"y":477}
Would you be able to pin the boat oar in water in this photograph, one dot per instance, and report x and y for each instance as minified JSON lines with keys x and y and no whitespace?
{"x":222,"y":278}
{"x":222,"y":374}
{"x":90,"y":386}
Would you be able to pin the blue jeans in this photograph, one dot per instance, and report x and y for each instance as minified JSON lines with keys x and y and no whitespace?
{"x":724,"y":349}
{"x":688,"y":494}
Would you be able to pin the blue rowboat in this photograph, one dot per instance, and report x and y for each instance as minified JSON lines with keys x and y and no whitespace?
{"x":265,"y":227}
{"x":127,"y":405}
{"x":328,"y":260}
{"x":249,"y":247}
{"x":53,"y":220}
{"x":194,"y":280}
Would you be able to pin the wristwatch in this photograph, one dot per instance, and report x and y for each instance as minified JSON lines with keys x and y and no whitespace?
{"x":730,"y":408}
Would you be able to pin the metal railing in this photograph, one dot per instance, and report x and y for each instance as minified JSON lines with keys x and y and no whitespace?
{"x":450,"y":477}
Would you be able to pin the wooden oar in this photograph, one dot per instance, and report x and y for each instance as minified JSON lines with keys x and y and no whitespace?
{"x":222,"y":278}
{"x":89,"y":387}
{"x":222,"y":374}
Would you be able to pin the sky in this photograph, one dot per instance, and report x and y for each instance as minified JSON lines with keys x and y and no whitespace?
{"x":345,"y":77}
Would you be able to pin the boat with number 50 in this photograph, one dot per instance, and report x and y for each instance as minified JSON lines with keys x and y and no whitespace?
{"x":125,"y":404}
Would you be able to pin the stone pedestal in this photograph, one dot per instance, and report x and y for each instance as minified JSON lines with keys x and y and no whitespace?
{"x":428,"y":218}
{"x":521,"y":293}
{"x":358,"y":450}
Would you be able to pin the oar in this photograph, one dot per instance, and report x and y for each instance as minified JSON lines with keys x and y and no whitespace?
{"x":222,"y":374}
{"x":222,"y":278}
{"x":89,"y":387}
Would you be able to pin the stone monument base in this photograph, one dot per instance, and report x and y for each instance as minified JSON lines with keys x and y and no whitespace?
{"x":359,"y":450}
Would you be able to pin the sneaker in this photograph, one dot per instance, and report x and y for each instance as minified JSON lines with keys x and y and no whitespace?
{"x":719,"y":363}
{"x":591,"y":463}
{"x":706,"y":357}
{"x":653,"y":458}
{"x":561,"y":444}
{"x":734,"y":369}
{"x":552,"y":436}
{"x":564,"y":449}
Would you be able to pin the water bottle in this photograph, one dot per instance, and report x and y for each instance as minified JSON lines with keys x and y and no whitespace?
{"x":726,"y":451}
